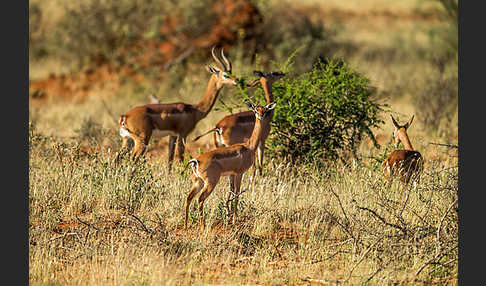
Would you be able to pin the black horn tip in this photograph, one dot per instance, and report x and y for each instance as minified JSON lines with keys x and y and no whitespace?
{"x":258,"y":73}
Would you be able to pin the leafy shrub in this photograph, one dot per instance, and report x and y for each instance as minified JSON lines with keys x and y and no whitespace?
{"x":136,"y":32}
{"x":97,"y":30}
{"x":322,"y":114}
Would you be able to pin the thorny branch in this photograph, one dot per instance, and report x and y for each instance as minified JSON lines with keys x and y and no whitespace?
{"x":404,"y":230}
{"x":141,"y":223}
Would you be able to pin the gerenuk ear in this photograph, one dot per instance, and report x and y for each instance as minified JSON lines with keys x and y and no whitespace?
{"x":258,"y":73}
{"x":212,"y":69}
{"x":270,"y":106}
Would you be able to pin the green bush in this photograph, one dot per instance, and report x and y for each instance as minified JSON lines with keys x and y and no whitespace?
{"x":322,"y":114}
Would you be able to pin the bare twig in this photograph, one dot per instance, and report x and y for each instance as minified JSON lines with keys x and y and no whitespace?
{"x":180,"y":58}
{"x":378,"y":271}
{"x":436,"y":257}
{"x":109,"y":111}
{"x":406,"y":200}
{"x":344,"y":213}
{"x":443,"y":217}
{"x":87,"y":224}
{"x":442,"y":220}
{"x":340,"y":224}
{"x":140,"y":221}
{"x":327,"y":258}
{"x":404,"y":230}
{"x":62,"y":236}
{"x":363,"y":257}
{"x":445,"y":145}
{"x":316,"y":281}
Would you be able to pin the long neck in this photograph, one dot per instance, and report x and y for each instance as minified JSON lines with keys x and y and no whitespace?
{"x":206,"y":103}
{"x":267,"y":88}
{"x":405,"y":141}
{"x":256,"y":135}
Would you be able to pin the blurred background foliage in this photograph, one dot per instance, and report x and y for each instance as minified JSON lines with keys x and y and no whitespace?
{"x":133,"y":48}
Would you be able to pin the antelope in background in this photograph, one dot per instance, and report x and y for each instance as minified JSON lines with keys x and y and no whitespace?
{"x":238,"y":127}
{"x":230,"y":161}
{"x":407,"y":163}
{"x":175,"y":120}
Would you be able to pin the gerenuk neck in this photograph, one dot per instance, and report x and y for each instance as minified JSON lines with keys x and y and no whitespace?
{"x":254,"y":139}
{"x":207,"y":102}
{"x":406,"y":142}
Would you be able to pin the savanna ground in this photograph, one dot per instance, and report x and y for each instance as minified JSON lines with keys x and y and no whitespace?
{"x":94,"y":223}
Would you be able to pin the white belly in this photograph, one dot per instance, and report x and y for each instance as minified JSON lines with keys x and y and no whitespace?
{"x":229,"y":173}
{"x":163,"y":133}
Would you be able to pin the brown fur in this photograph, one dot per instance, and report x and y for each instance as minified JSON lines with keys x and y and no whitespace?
{"x":407,"y":164}
{"x":174,"y":119}
{"x":238,"y":127}
{"x":230,"y":161}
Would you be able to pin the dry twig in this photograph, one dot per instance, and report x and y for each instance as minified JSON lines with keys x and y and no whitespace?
{"x":316,"y":281}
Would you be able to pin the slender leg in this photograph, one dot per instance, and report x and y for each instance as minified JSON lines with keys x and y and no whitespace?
{"x":260,"y":151}
{"x":172,"y":141}
{"x":387,"y":174}
{"x":196,"y":188}
{"x":237,"y":186}
{"x":231,"y":193}
{"x":253,"y":174}
{"x":123,"y":149}
{"x":181,"y":141}
{"x":205,"y":192}
{"x":139,"y":148}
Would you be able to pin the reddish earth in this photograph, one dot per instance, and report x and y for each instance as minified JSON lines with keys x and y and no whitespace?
{"x":233,"y":17}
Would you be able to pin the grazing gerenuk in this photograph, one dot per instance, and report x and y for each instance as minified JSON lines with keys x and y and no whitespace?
{"x":408,"y":163}
{"x":175,"y":120}
{"x":238,"y":127}
{"x":230,"y":161}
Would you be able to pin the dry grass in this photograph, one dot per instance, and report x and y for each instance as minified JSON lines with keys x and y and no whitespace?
{"x":95,"y":223}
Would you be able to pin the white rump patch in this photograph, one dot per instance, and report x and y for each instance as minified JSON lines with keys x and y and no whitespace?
{"x":195,"y":167}
{"x":220,"y":140}
{"x":124,"y":132}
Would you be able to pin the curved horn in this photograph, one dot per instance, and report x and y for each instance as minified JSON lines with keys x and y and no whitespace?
{"x":409,"y":123}
{"x":216,"y":59}
{"x":228,"y":63}
{"x":253,"y":83}
{"x":250,"y":104}
{"x":395,"y":122}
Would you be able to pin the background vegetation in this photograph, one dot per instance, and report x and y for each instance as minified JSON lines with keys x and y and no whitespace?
{"x":323,"y":114}
{"x":91,"y":222}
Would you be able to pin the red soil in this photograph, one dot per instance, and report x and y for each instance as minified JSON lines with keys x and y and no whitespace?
{"x":233,"y":16}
